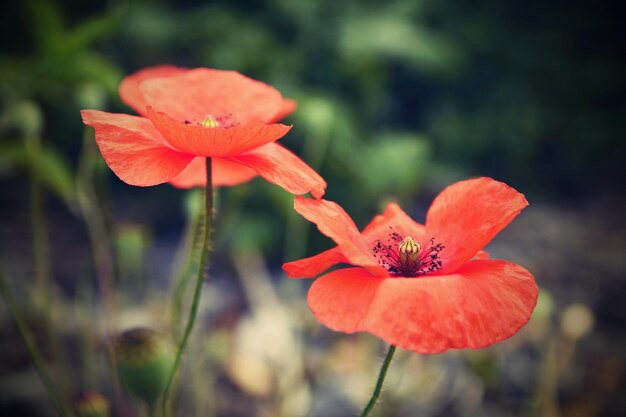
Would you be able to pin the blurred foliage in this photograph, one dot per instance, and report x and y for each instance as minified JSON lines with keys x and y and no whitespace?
{"x":391,"y":96}
{"x":528,"y":92}
{"x":396,"y":100}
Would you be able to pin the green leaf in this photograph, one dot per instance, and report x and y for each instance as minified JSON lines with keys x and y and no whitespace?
{"x":55,"y":173}
{"x":13,"y":157}
{"x":389,"y":36}
{"x":94,"y":29}
{"x":46,"y":25}
{"x":395,"y":164}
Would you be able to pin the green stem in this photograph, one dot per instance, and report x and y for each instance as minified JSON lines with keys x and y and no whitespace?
{"x":152,"y":410}
{"x":380,"y":381}
{"x":93,"y":216}
{"x":97,"y":230}
{"x":191,"y":244}
{"x":31,"y":345}
{"x":39,"y":229}
{"x":204,"y":258}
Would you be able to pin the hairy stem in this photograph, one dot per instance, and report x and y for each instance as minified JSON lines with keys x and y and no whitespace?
{"x":204,"y":258}
{"x":189,"y":248}
{"x":379,"y":382}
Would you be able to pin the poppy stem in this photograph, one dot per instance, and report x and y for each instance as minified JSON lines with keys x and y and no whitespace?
{"x":99,"y":236}
{"x":379,"y":382}
{"x":152,"y":410}
{"x":47,"y":380}
{"x":204,"y":259}
{"x":188,"y":249}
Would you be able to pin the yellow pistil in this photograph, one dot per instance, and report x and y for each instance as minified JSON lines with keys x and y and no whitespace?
{"x":209,"y":122}
{"x":408,"y":250}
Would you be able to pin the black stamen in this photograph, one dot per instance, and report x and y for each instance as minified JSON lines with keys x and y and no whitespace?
{"x":388,"y":257}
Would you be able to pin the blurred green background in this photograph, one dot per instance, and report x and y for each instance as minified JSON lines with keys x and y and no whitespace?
{"x":396,"y":100}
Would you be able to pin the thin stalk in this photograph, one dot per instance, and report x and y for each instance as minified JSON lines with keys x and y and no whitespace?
{"x":379,"y":382}
{"x":152,"y":410}
{"x":41,"y":239}
{"x":204,"y":258}
{"x":88,"y":346}
{"x":184,"y":271}
{"x":40,"y":365}
{"x":44,"y":290}
{"x":103,"y":259}
{"x":189,"y":250}
{"x":96,"y":228}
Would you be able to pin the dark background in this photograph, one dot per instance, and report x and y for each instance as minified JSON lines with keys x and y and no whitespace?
{"x":396,"y":101}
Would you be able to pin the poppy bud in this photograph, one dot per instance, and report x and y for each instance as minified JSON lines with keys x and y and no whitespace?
{"x":144,"y":360}
{"x":91,"y":404}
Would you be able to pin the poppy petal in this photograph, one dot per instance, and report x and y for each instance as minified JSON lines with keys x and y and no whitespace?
{"x":335,"y":223}
{"x":378,"y":228}
{"x":485,"y":302}
{"x":224,"y":173}
{"x":215,"y":141}
{"x":279,"y":166}
{"x":467,"y":215}
{"x":134,"y":149}
{"x":203,"y":92}
{"x":342,"y":298}
{"x":288,"y":107}
{"x":129,"y":87}
{"x":314,"y":265}
{"x":393,"y":218}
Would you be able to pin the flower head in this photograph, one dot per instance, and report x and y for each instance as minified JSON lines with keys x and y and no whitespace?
{"x":426,"y":288}
{"x":187,"y":115}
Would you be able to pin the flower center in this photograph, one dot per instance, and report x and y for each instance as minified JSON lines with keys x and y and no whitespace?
{"x":211,"y":121}
{"x":405,"y":256}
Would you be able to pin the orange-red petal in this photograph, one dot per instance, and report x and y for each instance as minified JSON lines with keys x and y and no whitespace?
{"x":203,"y":92}
{"x":378,"y":228}
{"x":287,"y":107}
{"x":279,"y":166}
{"x":485,"y":302}
{"x":467,"y":215}
{"x":393,"y":218}
{"x":134,"y":149}
{"x":314,"y":265}
{"x":335,"y":223}
{"x":224,"y":173}
{"x":129,"y":87}
{"x":215,"y":141}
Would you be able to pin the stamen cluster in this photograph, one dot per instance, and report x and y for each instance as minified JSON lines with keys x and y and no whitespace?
{"x":211,"y":121}
{"x":405,"y":257}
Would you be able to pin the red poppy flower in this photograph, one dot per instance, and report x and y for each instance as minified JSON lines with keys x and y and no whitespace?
{"x":426,"y":288}
{"x":189,"y":115}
